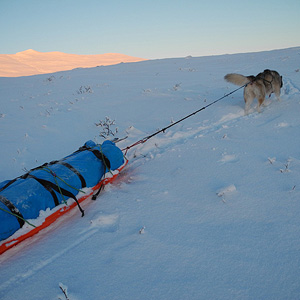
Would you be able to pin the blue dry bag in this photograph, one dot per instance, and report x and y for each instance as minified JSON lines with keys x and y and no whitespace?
{"x":48,"y":185}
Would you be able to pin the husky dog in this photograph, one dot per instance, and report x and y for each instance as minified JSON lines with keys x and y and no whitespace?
{"x":259,"y":86}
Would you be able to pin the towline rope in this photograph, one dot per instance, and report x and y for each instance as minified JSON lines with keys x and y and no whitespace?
{"x":145,"y":139}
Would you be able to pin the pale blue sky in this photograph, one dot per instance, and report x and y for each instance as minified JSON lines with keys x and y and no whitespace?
{"x":149,"y":28}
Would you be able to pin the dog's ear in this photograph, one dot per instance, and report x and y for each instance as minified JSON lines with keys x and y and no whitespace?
{"x":281,"y":82}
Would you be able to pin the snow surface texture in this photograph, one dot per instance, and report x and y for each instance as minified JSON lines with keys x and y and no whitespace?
{"x":208,"y":210}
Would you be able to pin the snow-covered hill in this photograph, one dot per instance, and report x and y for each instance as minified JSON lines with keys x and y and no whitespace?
{"x":207,"y":210}
{"x":31,"y":62}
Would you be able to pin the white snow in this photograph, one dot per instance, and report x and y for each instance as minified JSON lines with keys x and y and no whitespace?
{"x":207,"y":210}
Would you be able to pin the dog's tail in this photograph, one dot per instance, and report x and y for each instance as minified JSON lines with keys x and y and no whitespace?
{"x":238,"y":79}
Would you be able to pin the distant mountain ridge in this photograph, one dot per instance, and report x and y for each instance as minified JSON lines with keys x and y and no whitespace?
{"x":31,"y":62}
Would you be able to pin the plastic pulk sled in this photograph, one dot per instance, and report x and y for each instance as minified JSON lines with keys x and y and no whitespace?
{"x":56,"y":186}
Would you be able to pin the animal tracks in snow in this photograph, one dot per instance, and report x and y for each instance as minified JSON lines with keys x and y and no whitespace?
{"x":226,"y":190}
{"x":289,"y":88}
{"x":228,"y":158}
{"x":161,"y":143}
{"x":108,"y":223}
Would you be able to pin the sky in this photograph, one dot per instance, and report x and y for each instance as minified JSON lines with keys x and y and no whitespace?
{"x":149,"y":29}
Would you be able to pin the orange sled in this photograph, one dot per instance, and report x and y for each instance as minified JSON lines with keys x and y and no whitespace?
{"x":57,"y":213}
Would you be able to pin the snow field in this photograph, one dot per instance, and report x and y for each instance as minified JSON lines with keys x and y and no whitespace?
{"x":207,"y":210}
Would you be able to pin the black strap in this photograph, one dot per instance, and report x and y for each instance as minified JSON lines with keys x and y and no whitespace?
{"x":101,"y":187}
{"x":106,"y":164}
{"x":50,"y":186}
{"x":61,"y":162}
{"x":101,"y":156}
{"x":24,"y":176}
{"x":97,"y":153}
{"x":13,"y":209}
{"x":98,"y":192}
{"x":8,"y":184}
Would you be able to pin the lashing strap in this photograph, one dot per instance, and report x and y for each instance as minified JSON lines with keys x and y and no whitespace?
{"x":97,"y":153}
{"x":8,"y":184}
{"x":13,"y":210}
{"x":50,"y":186}
{"x":74,"y":170}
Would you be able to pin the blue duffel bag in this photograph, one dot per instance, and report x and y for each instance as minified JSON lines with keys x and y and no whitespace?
{"x":52,"y":183}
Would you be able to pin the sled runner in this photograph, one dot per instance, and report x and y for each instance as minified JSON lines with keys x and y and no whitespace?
{"x":49,"y":187}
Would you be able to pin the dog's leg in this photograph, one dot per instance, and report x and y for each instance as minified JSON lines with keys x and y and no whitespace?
{"x":260,"y":102}
{"x":248,"y":102}
{"x":277,"y":94}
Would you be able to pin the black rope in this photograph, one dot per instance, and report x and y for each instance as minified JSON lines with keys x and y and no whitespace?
{"x":145,"y":139}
